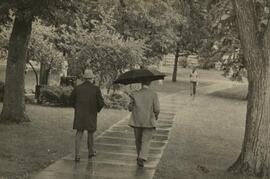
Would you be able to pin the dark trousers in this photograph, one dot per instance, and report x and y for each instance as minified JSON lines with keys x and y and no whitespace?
{"x":194,"y":85}
{"x":90,"y":142}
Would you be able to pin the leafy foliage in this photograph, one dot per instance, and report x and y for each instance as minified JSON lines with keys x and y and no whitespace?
{"x":153,"y":21}
{"x":41,"y":47}
{"x":225,"y":41}
{"x":56,"y":95}
{"x":102,"y":49}
{"x":117,"y":101}
{"x":108,"y":55}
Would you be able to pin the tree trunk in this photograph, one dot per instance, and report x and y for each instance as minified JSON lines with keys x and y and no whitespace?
{"x":44,"y":74}
{"x":254,"y":158}
{"x":37,"y":86}
{"x":174,"y":76}
{"x":35,"y":71}
{"x":14,"y":102}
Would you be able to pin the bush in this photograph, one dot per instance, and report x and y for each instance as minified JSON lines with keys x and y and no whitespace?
{"x":116,"y":101}
{"x":65,"y":97}
{"x":55,"y":95}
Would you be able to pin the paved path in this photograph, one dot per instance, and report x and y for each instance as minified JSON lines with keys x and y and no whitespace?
{"x":116,"y":153}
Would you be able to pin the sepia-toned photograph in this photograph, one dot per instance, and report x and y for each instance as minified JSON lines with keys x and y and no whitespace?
{"x":134,"y":89}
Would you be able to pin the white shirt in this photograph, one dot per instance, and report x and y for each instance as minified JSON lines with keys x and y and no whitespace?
{"x":194,"y":76}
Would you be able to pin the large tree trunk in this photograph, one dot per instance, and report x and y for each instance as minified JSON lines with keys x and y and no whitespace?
{"x":255,"y":154}
{"x":174,"y":75}
{"x":14,"y":102}
{"x":35,"y":71}
{"x":44,"y":74}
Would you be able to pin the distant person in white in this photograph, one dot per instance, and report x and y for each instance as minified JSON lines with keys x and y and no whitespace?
{"x":193,"y":81}
{"x":63,"y":72}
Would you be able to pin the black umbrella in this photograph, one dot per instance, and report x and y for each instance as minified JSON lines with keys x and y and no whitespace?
{"x":139,"y":76}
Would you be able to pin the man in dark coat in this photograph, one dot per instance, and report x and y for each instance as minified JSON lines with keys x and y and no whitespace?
{"x":87,"y":100}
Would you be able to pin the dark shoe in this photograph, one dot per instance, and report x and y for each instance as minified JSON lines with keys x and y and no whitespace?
{"x":77,"y":158}
{"x":140,"y":162}
{"x":92,"y":155}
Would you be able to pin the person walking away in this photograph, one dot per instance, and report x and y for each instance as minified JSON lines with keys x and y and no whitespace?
{"x":87,"y":101}
{"x":193,"y":81}
{"x":145,"y":109}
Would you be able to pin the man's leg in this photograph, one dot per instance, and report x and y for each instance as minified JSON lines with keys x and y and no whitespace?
{"x":146,"y":141}
{"x":90,"y":144}
{"x":138,"y":139}
{"x":194,"y":88}
{"x":78,"y":139}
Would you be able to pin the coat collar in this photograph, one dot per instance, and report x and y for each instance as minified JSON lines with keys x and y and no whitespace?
{"x":87,"y":82}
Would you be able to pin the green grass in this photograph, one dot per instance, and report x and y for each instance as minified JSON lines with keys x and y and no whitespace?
{"x":172,"y":87}
{"x":207,"y":134}
{"x":238,"y":92}
{"x":28,"y":147}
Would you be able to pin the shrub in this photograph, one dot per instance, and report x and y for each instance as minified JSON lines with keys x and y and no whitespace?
{"x":65,"y":96}
{"x":116,"y":101}
{"x":56,"y":95}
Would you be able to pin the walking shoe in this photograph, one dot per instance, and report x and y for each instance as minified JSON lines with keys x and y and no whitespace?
{"x":140,"y":162}
{"x":77,"y":158}
{"x":92,"y":155}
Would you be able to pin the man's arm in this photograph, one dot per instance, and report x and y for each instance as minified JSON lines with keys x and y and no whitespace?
{"x":73,"y":98}
{"x":156,"y":106}
{"x":131,"y":103}
{"x":100,"y":100}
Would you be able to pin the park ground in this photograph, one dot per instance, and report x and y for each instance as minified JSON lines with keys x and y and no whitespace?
{"x":205,"y":140}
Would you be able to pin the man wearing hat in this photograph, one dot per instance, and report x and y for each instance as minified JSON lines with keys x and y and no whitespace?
{"x":145,"y":109}
{"x":87,"y":100}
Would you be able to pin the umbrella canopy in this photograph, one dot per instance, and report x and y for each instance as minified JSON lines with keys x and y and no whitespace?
{"x":139,"y":76}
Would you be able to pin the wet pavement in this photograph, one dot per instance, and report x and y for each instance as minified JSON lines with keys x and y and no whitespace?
{"x":116,"y":152}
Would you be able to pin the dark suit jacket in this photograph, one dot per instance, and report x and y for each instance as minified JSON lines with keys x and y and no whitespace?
{"x":87,"y":100}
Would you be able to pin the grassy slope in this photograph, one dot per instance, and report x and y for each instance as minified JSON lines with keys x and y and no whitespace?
{"x":207,"y":135}
{"x":238,"y":92}
{"x":32,"y":146}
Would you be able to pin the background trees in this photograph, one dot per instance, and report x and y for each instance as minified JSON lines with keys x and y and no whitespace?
{"x":153,"y":21}
{"x":143,"y":40}
{"x":24,"y":14}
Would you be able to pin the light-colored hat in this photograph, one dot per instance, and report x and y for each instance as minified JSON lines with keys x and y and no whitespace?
{"x":88,"y":74}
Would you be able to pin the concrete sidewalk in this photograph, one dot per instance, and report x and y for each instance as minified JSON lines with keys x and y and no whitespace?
{"x":116,"y":153}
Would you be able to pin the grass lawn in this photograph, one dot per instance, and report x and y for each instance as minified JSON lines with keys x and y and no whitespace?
{"x":170,"y":87}
{"x":238,"y":92}
{"x":205,"y":140}
{"x":31,"y":146}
